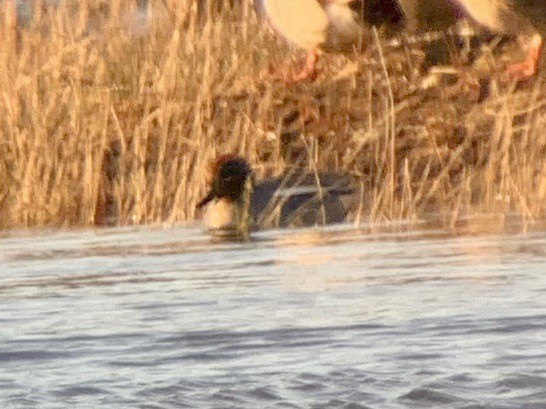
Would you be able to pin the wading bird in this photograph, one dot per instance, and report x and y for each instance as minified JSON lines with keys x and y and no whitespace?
{"x":325,"y":24}
{"x":525,"y":19}
{"x":335,"y":24}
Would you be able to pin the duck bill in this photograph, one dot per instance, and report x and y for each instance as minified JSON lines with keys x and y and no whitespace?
{"x":211,"y":195}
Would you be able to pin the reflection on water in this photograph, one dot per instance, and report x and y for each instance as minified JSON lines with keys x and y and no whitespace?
{"x":337,"y":317}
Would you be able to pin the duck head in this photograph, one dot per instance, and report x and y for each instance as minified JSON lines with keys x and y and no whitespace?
{"x":228,"y":199}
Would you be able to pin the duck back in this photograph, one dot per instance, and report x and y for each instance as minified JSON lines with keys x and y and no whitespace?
{"x":302,"y":198}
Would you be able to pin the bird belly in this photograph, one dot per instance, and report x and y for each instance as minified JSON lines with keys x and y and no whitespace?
{"x":302,"y":22}
{"x":343,"y":28}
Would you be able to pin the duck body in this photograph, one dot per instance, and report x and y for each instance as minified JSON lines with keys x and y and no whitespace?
{"x":302,"y":198}
{"x":237,"y":204}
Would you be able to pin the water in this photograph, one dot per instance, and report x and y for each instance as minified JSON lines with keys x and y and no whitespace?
{"x":321,"y":318}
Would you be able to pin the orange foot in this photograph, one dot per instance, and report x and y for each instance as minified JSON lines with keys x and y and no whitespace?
{"x":308,"y":72}
{"x":524,"y":70}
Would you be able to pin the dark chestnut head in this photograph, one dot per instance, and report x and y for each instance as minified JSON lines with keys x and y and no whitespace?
{"x":229,"y":174}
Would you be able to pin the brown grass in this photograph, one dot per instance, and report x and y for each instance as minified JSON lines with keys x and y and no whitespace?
{"x":101,"y":119}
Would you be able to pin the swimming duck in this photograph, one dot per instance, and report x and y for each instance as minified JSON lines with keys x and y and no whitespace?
{"x":525,"y":19}
{"x":325,"y":24}
{"x":236,"y":203}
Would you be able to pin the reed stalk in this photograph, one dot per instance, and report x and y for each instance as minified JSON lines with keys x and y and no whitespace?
{"x":111,"y":116}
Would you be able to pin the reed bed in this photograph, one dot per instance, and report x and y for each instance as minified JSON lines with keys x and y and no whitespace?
{"x":111,"y":116}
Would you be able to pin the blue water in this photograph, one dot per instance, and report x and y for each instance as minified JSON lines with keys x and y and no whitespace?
{"x":390,"y":317}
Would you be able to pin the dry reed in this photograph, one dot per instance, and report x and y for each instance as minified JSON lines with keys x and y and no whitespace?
{"x":107,"y":117}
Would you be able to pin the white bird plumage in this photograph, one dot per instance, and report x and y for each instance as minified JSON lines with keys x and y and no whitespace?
{"x":329,"y":24}
{"x":316,"y":24}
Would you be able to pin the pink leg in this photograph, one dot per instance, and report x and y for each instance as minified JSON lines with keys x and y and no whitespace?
{"x":309,"y":70}
{"x":527,"y":68}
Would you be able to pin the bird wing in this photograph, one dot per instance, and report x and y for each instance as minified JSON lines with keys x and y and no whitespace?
{"x":302,"y":22}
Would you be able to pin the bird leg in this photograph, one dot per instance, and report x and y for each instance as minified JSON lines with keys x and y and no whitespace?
{"x":528,"y":67}
{"x":288,"y":76}
{"x":308,"y":70}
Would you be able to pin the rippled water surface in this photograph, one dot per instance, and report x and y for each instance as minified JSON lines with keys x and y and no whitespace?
{"x":322,"y":318}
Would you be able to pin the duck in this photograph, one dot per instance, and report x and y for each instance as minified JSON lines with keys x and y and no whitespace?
{"x":317,"y":25}
{"x":525,"y":19}
{"x":236,"y":203}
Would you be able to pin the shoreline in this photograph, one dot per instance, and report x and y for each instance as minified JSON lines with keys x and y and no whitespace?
{"x":128,"y":123}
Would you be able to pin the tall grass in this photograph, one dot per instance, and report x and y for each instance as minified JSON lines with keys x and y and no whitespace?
{"x":105,"y":117}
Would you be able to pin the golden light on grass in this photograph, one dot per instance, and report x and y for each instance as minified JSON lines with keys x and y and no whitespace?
{"x":107,"y":116}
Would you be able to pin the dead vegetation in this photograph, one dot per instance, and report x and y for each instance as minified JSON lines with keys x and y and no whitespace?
{"x":106,"y":116}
